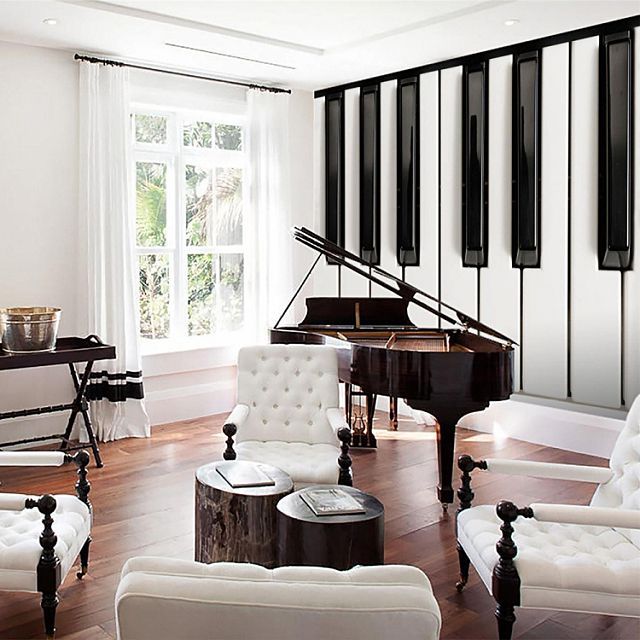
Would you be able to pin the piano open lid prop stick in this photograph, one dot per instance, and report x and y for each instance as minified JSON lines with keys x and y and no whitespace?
{"x":446,"y":372}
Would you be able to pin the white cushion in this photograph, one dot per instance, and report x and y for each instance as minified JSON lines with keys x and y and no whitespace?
{"x":179,"y":600}
{"x":20,"y":549}
{"x":561,"y":566}
{"x":304,"y":463}
{"x":288,"y":389}
{"x":623,"y":490}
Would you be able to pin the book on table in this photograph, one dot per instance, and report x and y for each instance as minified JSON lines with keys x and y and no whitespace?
{"x":245,"y":475}
{"x":331,"y":502}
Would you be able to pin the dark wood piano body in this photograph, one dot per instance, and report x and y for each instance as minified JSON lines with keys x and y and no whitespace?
{"x":447,"y":372}
{"x":447,"y":384}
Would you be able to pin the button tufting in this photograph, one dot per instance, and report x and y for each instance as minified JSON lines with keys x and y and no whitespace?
{"x":275,"y":406}
{"x":310,"y":390}
{"x":286,"y":389}
{"x":287,"y":358}
{"x":264,"y":421}
{"x":310,"y":422}
{"x":286,"y":422}
{"x":298,"y":372}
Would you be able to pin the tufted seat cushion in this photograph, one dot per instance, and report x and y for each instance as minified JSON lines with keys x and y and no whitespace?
{"x":304,"y":463}
{"x":19,"y":546}
{"x":561,"y":566}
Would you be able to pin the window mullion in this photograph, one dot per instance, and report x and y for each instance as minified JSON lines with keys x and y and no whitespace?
{"x":181,"y":239}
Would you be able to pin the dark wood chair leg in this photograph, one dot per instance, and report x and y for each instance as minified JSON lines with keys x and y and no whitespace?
{"x":344,"y":460}
{"x":84,"y":559}
{"x":505,"y":579}
{"x":506,"y":617}
{"x":229,"y":430}
{"x":466,"y":464}
{"x":49,"y":604}
{"x":463,"y":560}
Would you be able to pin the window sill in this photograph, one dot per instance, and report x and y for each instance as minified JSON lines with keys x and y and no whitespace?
{"x":166,"y":357}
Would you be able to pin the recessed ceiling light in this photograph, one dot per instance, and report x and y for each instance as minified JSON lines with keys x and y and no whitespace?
{"x":50,"y":21}
{"x":511,"y":22}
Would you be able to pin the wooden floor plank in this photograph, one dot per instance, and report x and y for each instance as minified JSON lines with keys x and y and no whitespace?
{"x":143,"y":505}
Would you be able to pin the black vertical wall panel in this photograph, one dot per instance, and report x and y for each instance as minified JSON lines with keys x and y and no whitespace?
{"x":526,"y":114}
{"x":475,"y":165}
{"x":334,"y":168}
{"x":370,"y":174}
{"x":615,"y":151}
{"x":408,"y":168}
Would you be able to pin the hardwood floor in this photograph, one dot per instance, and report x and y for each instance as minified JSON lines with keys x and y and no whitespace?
{"x":143,"y":505}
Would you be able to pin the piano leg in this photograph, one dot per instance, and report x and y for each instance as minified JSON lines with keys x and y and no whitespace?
{"x":447,"y":417}
{"x":393,"y":414}
{"x":370,"y":439}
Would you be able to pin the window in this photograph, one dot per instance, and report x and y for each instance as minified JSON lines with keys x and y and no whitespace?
{"x":189,"y":205}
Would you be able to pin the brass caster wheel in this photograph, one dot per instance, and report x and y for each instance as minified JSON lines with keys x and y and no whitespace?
{"x":460,"y":585}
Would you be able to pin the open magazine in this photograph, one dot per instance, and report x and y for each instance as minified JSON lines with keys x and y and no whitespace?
{"x":244,"y":475}
{"x":331,"y":502}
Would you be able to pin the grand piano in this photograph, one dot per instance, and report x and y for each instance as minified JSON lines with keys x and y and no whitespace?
{"x":447,"y":372}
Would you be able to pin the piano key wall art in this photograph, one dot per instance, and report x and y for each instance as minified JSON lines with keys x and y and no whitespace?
{"x":516,"y":202}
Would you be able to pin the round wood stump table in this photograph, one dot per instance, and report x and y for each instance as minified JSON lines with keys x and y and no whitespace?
{"x":237,"y":525}
{"x":339,"y":541}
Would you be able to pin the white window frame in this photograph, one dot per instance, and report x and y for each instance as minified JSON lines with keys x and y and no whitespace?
{"x":176,"y":156}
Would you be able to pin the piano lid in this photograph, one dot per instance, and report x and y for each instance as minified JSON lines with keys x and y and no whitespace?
{"x":387,"y":281}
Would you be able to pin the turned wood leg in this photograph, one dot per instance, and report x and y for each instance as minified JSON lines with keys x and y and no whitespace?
{"x":463,"y":560}
{"x":49,"y":604}
{"x":371,"y":410}
{"x":229,"y":430}
{"x":506,"y":617}
{"x":84,"y":559}
{"x":344,"y":460}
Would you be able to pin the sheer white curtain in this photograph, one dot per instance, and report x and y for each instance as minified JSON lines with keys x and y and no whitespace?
{"x":270,"y":250}
{"x":108,"y":290}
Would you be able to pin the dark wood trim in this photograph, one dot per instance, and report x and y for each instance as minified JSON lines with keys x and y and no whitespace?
{"x":526,"y":155}
{"x":512,"y":49}
{"x":408,"y":172}
{"x":370,"y":177}
{"x":615,"y":151}
{"x":229,"y":430}
{"x":475,"y":166}
{"x":334,"y":168}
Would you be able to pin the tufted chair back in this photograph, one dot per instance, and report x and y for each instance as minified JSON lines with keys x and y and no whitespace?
{"x":288,"y":389}
{"x":623,"y":490}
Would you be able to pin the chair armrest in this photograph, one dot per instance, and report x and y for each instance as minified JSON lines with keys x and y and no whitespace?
{"x":578,"y":514}
{"x":238,"y":416}
{"x":32,"y":458}
{"x":337,"y":420}
{"x":579,"y":473}
{"x":12,"y":501}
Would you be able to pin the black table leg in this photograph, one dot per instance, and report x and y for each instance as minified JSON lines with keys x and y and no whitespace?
{"x":81,"y":405}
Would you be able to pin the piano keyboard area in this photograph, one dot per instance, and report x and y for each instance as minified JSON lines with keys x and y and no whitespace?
{"x":507,"y":186}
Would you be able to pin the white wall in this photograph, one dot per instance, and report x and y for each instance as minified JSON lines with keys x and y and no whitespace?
{"x":38,"y":212}
{"x":39,"y":216}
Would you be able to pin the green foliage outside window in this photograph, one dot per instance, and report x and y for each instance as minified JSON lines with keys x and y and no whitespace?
{"x":213,"y":218}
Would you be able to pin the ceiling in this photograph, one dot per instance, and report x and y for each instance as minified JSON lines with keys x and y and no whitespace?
{"x":301,"y":44}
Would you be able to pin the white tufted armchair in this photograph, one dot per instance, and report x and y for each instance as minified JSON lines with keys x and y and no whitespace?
{"x":563,"y":557}
{"x":288,"y":414}
{"x":36,"y":555}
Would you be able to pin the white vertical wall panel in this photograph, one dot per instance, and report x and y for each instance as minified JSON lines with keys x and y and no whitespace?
{"x":499,"y":281}
{"x":425,"y":276}
{"x":352,"y":283}
{"x":325,"y":277}
{"x":388,"y":181}
{"x":545,"y":290}
{"x":595,"y":294}
{"x":632,"y":278}
{"x":459,"y":284}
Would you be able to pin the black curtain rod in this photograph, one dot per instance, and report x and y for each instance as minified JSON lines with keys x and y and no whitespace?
{"x":238,"y":83}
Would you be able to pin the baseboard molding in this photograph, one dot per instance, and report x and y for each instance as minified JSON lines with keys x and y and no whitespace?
{"x":186,"y":403}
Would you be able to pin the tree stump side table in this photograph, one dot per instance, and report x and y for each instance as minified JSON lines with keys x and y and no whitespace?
{"x":237,"y":525}
{"x":338,"y":542}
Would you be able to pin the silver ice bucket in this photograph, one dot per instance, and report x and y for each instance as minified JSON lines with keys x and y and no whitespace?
{"x":29,"y":329}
